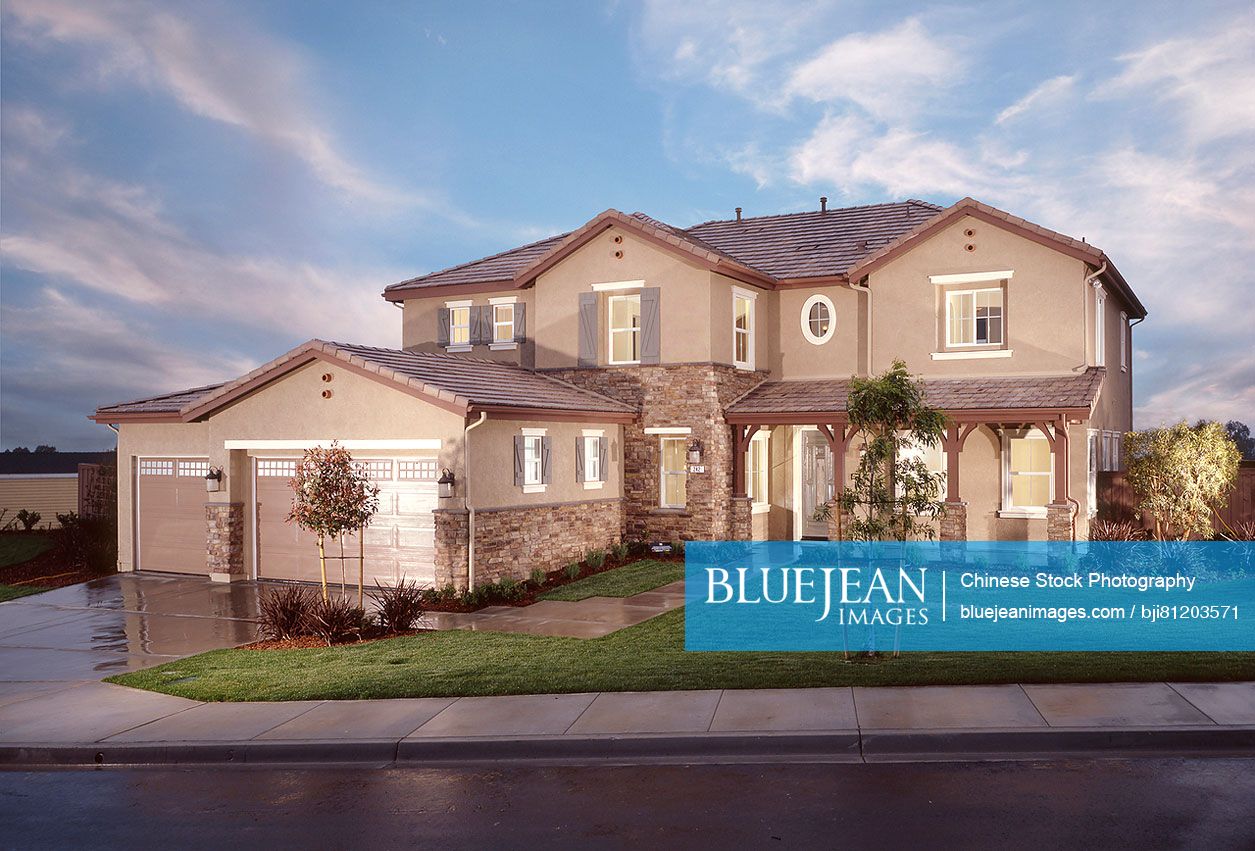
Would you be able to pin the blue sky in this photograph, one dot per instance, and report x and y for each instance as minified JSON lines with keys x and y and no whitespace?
{"x":190,"y":189}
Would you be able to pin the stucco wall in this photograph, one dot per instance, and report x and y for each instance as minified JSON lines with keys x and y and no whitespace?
{"x":419,"y":326}
{"x":492,"y":464}
{"x":840,"y":357}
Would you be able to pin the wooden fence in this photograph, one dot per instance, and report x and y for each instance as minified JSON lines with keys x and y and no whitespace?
{"x":1116,"y":500}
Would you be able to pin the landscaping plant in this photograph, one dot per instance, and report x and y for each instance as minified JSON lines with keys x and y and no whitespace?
{"x":28,"y":519}
{"x":285,"y":612}
{"x":573,"y":569}
{"x":1115,"y":530}
{"x":620,"y":551}
{"x":336,"y":619}
{"x":88,"y":543}
{"x":1182,"y":475}
{"x":331,"y":498}
{"x":595,"y":559}
{"x":400,"y":606}
{"x":539,"y":576}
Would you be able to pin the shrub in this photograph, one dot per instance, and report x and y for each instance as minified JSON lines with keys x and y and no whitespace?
{"x":595,"y":559}
{"x":1115,"y":530}
{"x":285,"y":612}
{"x":336,"y":619}
{"x":1243,"y":531}
{"x":677,"y":548}
{"x":28,"y":519}
{"x":573,"y":570}
{"x":400,"y":606}
{"x":620,"y":551}
{"x":539,"y":576}
{"x":509,"y":590}
{"x":440,"y":595}
{"x":88,"y":543}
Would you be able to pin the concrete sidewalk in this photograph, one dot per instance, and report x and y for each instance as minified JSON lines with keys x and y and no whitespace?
{"x":98,"y":723}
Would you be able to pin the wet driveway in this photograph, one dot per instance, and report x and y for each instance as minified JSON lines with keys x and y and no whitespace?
{"x":116,"y":624}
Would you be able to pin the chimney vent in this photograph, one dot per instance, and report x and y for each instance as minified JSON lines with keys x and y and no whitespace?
{"x":823,"y":203}
{"x":738,"y":214}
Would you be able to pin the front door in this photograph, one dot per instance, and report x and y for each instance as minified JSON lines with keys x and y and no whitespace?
{"x":816,"y":461}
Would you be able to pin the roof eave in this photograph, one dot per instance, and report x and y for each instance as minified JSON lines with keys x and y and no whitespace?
{"x":521,"y":412}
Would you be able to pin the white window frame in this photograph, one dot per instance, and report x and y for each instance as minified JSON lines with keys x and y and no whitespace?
{"x":1100,"y":329}
{"x":498,"y":305}
{"x":1124,"y":341}
{"x":453,"y":307}
{"x":758,"y":479}
{"x":610,"y":302}
{"x":809,"y":335}
{"x":1093,"y":441}
{"x":534,"y":460}
{"x":951,"y":294}
{"x":1009,"y":508}
{"x":663,"y":472}
{"x":592,"y":459}
{"x":750,"y":299}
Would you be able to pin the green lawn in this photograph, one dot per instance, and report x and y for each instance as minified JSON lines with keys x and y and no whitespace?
{"x":15,"y":549}
{"x":649,"y":656}
{"x":12,"y":592}
{"x":621,"y":582}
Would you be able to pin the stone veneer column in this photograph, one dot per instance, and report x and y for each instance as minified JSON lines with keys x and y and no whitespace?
{"x":1058,"y":521}
{"x":953,"y":521}
{"x":225,"y":541}
{"x":742,"y":521}
{"x":452,"y":536}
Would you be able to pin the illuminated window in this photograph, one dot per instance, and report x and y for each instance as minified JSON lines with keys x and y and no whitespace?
{"x":673,"y":487}
{"x":625,"y":328}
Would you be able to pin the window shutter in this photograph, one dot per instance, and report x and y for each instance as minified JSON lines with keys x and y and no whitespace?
{"x":601,"y":458}
{"x":546,"y":468}
{"x":651,"y":340}
{"x":588,"y":329}
{"x":480,"y":335}
{"x":518,"y":461}
{"x":580,"y":474}
{"x":520,"y":323}
{"x":442,"y":326}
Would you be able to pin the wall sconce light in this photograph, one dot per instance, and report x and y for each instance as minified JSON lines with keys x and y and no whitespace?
{"x":213,"y":480}
{"x":695,"y":452}
{"x":445,"y":483}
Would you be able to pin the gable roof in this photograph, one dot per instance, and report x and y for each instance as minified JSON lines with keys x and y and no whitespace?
{"x":457,"y":383}
{"x":1072,"y":392}
{"x":792,"y":249}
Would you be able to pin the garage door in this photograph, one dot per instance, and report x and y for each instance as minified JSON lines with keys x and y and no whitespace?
{"x":170,"y":507}
{"x":400,"y":541}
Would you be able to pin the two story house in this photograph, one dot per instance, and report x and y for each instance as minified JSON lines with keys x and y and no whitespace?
{"x":631,"y":380}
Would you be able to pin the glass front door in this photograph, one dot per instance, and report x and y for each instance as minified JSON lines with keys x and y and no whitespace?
{"x":816,"y":461}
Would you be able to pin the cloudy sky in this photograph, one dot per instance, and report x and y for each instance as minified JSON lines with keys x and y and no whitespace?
{"x":191,"y":189}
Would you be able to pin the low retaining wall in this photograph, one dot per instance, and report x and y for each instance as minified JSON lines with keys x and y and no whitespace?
{"x":512,"y":542}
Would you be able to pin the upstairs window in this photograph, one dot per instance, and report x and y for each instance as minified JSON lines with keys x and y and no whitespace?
{"x":503,"y":323}
{"x":459,"y":323}
{"x":974,"y":318}
{"x":625,"y":328}
{"x":818,"y":319}
{"x":1100,"y":335}
{"x":742,"y":329}
{"x":1124,"y":342}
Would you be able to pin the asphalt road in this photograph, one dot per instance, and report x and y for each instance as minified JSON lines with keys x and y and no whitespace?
{"x":1159,"y":803}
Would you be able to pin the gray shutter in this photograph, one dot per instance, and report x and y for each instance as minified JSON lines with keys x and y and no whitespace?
{"x":580,"y":474}
{"x":442,"y":326}
{"x":518,"y":461}
{"x":546,"y":467}
{"x":520,"y":323}
{"x":588,"y":329}
{"x":480,"y":322}
{"x":602,"y":445}
{"x":651,"y":339}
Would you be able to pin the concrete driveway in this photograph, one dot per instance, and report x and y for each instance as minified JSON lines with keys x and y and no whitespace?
{"x":118,"y":623}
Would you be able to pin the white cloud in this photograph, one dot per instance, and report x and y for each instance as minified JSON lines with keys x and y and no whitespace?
{"x":1050,"y":93}
{"x":221,"y":71}
{"x":888,"y":74}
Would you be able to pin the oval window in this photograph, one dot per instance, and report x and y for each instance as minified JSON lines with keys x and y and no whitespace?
{"x":819,"y":319}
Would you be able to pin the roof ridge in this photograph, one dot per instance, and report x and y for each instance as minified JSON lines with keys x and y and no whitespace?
{"x":161,"y":396}
{"x":532,"y":244}
{"x":743,"y":219}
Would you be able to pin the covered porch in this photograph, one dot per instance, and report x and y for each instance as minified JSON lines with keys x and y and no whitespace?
{"x":1025,"y":471}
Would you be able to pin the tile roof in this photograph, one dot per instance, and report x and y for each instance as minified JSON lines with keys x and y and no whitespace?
{"x":165,"y":404}
{"x":948,"y":394}
{"x":455,"y":379}
{"x":792,"y":245}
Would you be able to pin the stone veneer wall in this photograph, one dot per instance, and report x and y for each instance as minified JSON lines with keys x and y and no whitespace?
{"x":742,"y":523}
{"x":1058,"y":522}
{"x":692,"y":395}
{"x":952,"y":524}
{"x":225,"y":541}
{"x":512,"y":542}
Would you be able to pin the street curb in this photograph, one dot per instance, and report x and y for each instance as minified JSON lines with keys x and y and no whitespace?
{"x":849,"y":746}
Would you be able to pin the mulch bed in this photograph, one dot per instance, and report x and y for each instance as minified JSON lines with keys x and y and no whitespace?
{"x":46,"y":570}
{"x":311,"y":642}
{"x":530,"y":593}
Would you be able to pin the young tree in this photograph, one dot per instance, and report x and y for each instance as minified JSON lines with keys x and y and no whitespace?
{"x":1181,"y":474}
{"x":1240,"y":434}
{"x":892,"y":493}
{"x":331,"y":497}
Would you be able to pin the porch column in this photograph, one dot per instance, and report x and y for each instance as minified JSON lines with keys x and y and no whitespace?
{"x":838,"y":441}
{"x":1059,"y":512}
{"x":226,"y":541}
{"x":953,"y":521}
{"x":741,"y":436}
